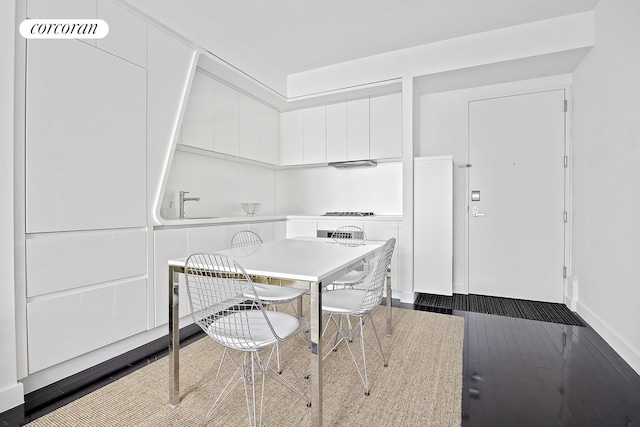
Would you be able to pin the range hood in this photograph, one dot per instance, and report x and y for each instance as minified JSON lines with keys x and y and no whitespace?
{"x":353,"y":163}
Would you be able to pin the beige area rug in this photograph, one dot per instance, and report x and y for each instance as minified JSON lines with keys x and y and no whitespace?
{"x":422,"y":386}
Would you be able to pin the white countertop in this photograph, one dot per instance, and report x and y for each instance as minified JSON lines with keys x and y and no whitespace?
{"x":395,"y":218}
{"x":244,"y":219}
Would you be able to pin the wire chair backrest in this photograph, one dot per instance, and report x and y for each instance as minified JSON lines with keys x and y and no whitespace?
{"x":349,"y":235}
{"x":375,"y":282}
{"x":245,"y":238}
{"x":223,"y":301}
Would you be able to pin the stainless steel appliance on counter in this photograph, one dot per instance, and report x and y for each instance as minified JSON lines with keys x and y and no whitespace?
{"x":348,"y":214}
{"x":329,"y":233}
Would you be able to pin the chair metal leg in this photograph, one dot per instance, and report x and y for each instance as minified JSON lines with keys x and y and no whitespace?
{"x":228,"y":388}
{"x":364,"y":358}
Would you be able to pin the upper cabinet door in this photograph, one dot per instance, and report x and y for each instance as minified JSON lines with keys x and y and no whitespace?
{"x":358,"y":129}
{"x":85,"y":160}
{"x":315,"y":135}
{"x":226,"y":126}
{"x":337,"y":132}
{"x":292,"y":137}
{"x":127,"y":36}
{"x":270,"y":135}
{"x":385,"y":122}
{"x":250,"y":127}
{"x":197,"y":123}
{"x":61,"y":9}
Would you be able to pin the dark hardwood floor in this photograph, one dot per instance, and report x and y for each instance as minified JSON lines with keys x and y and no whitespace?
{"x":516,"y":373}
{"x":530,"y":373}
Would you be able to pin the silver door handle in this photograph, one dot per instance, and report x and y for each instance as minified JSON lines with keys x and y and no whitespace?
{"x":475,"y":212}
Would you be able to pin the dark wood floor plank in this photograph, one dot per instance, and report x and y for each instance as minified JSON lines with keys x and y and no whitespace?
{"x":541,"y":374}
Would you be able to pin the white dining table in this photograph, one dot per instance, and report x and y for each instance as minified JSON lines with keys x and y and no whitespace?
{"x":315,"y":260}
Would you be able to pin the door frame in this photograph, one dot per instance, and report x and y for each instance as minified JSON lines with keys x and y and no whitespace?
{"x":569,"y":288}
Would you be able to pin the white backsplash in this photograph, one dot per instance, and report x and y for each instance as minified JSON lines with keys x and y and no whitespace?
{"x":221,"y":185}
{"x":316,"y":190}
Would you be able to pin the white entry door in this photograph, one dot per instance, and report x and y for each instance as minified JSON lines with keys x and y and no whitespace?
{"x":516,"y":196}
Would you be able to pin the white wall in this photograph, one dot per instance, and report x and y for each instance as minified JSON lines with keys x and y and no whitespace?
{"x":221,"y":185}
{"x":606,"y":176}
{"x":314,"y":191}
{"x":10,"y":390}
{"x":444,"y":131}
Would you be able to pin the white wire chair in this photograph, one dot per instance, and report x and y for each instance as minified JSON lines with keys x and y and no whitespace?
{"x":351,"y":235}
{"x":267,"y":293}
{"x":217,"y":289}
{"x":245,"y":238}
{"x":359,"y":303}
{"x":270,"y":294}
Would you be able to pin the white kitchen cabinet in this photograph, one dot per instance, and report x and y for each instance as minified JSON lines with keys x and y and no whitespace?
{"x":269,"y":135}
{"x":337,"y":132}
{"x":218,"y":118}
{"x":81,"y":282}
{"x":301,"y":228}
{"x":315,"y":135}
{"x":204,"y":239}
{"x":86,"y":139}
{"x":292,"y":137}
{"x":127,"y":36}
{"x":68,"y":325}
{"x":61,"y":9}
{"x":358,"y":129}
{"x":168,"y":244}
{"x":279,"y":230}
{"x":263,"y":229}
{"x":250,"y":128}
{"x":226,"y":120}
{"x":385,"y":124}
{"x":64,"y":261}
{"x":433,"y":225}
{"x":197,"y":122}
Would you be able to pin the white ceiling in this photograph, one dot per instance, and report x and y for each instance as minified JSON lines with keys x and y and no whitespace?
{"x":299,"y":35}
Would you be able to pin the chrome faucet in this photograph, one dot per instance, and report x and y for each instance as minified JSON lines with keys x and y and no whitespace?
{"x":185,"y":199}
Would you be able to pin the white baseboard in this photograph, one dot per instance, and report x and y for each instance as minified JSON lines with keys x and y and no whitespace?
{"x":405,"y":297}
{"x":11,"y":397}
{"x":570,"y":303}
{"x":460,"y":288}
{"x":630,"y":354}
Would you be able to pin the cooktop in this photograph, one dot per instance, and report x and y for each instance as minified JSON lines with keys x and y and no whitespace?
{"x":348,"y":214}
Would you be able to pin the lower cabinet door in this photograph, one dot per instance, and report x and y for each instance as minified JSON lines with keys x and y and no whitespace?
{"x":66,"y":326}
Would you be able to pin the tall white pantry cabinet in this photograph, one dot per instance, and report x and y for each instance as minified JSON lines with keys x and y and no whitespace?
{"x":433,"y":225}
{"x":85,"y":187}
